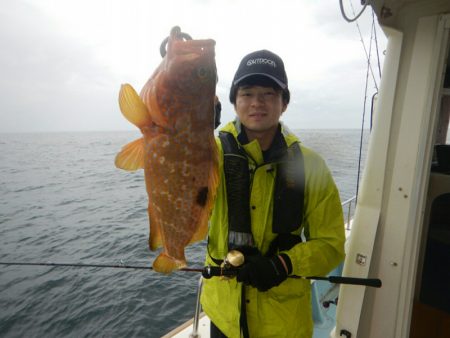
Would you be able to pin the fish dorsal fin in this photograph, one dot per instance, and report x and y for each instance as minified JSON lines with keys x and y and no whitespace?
{"x":131,"y":157}
{"x":213,"y":182}
{"x":132,"y":106}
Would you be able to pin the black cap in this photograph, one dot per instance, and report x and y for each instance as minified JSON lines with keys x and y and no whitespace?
{"x":265,"y":63}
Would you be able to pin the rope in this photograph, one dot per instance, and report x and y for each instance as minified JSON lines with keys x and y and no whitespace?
{"x":364,"y":46}
{"x":364,"y":108}
{"x":373,"y":36}
{"x":341,"y":6}
{"x":376,"y":44}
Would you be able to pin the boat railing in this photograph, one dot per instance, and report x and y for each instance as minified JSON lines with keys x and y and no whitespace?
{"x":348,"y":208}
{"x":198,"y":307}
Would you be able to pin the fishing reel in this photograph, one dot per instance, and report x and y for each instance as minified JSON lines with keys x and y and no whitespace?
{"x":229,"y":267}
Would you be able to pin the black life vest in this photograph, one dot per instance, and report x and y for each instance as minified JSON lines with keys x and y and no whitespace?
{"x":288,"y":195}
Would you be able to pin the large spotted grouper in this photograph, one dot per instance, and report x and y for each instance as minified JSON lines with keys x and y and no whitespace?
{"x":175,"y":113}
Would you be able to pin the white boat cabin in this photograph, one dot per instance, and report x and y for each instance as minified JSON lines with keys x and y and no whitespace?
{"x":401,"y":228}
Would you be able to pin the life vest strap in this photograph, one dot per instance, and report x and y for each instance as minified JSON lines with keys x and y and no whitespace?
{"x":288,"y":194}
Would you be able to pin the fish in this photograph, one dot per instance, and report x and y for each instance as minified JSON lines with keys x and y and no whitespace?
{"x":177,"y":150}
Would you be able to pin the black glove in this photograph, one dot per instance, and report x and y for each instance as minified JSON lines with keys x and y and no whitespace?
{"x":264,"y":272}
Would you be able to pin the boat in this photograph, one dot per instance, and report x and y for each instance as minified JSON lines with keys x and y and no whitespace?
{"x":401,"y":227}
{"x":400,"y":230}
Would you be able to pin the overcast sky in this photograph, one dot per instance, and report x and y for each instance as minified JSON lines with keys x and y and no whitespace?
{"x":62,"y":61}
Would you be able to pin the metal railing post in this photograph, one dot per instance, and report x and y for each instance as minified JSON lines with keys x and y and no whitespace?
{"x":348,"y":202}
{"x":198,"y":306}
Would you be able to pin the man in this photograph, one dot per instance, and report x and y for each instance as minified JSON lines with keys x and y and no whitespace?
{"x":272,"y":192}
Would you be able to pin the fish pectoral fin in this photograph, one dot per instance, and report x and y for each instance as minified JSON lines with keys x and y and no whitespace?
{"x":131,"y":157}
{"x":132,"y":107}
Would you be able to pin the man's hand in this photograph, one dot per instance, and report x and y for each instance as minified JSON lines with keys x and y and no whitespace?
{"x":264,"y":272}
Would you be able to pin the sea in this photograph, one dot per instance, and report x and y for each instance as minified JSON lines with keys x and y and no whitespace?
{"x":62,"y":200}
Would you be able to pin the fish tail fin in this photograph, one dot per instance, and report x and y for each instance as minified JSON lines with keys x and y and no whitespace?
{"x":131,"y":157}
{"x":132,"y":107}
{"x":166,"y":264}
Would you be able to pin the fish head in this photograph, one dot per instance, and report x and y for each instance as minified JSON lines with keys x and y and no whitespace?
{"x":190,"y":66}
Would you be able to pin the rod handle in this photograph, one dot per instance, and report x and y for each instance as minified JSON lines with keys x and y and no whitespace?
{"x":373,"y":282}
{"x":217,"y":271}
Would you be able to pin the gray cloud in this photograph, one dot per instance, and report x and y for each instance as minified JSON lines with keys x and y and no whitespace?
{"x":53,"y":81}
{"x":49,"y":79}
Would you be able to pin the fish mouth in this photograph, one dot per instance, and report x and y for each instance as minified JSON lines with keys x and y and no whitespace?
{"x":195,"y":47}
{"x":180,"y":44}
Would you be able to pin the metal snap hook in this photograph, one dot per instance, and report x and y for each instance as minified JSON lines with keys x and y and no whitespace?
{"x":179,"y":35}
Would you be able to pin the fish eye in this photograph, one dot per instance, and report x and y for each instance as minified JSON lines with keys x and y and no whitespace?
{"x":202,"y":72}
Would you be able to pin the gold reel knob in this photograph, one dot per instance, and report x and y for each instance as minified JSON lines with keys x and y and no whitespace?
{"x":235,"y":258}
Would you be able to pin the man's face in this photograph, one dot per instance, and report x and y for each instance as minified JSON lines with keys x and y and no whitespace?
{"x":259,"y":108}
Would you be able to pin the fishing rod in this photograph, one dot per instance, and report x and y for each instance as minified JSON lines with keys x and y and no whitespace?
{"x":82,"y":265}
{"x":207,"y":272}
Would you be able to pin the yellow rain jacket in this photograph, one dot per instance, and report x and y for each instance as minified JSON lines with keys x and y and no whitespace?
{"x":284,"y":310}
